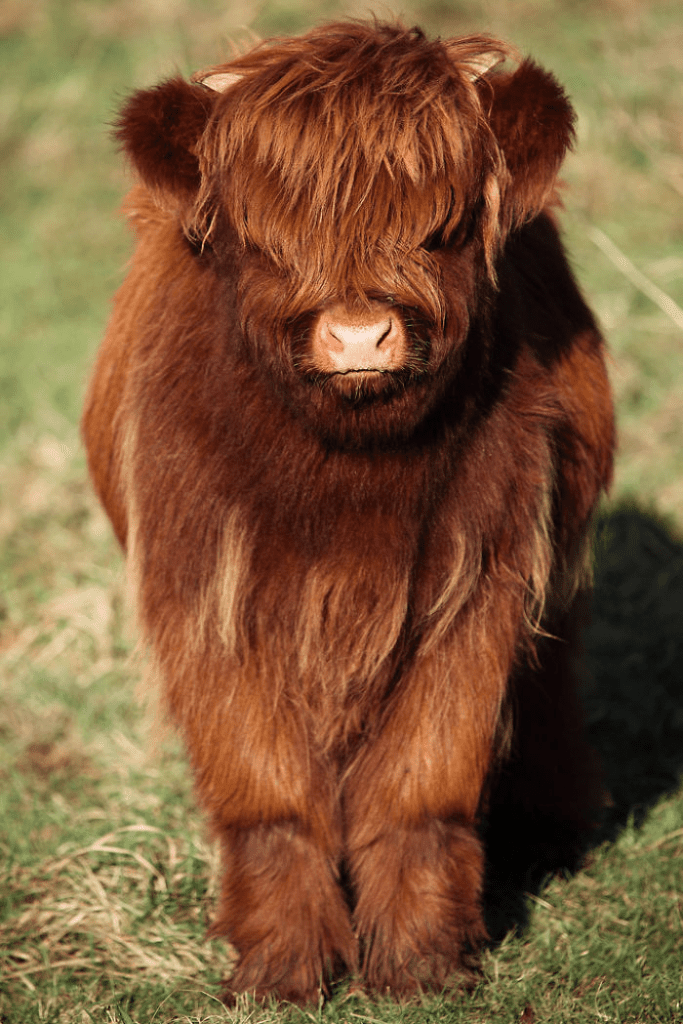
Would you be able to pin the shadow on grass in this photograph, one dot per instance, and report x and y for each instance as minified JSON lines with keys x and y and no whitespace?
{"x":634,"y":697}
{"x":634,"y":704}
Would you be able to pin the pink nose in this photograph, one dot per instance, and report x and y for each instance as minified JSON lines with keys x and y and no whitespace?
{"x":369,"y":335}
{"x":362,"y":346}
{"x":346,"y":340}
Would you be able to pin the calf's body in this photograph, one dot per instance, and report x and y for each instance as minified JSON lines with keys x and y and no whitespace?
{"x":350,"y":421}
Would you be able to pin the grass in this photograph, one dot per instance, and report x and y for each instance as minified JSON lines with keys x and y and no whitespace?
{"x":107,"y":880}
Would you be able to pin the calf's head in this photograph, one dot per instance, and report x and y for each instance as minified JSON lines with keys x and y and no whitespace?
{"x":354,"y":188}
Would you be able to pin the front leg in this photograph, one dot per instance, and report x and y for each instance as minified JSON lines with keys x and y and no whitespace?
{"x":271,"y":799}
{"x":283,"y":909}
{"x":418,"y":913}
{"x":411,"y":801}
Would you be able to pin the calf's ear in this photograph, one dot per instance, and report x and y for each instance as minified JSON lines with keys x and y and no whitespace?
{"x":159,"y":129}
{"x":533,"y":122}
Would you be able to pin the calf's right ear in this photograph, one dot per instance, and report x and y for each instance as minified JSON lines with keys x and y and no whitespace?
{"x":159,"y":129}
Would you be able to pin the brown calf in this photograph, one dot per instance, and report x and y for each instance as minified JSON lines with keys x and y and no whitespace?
{"x":350,"y":421}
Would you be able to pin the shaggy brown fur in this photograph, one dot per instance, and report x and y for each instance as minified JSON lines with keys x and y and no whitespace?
{"x":350,"y":421}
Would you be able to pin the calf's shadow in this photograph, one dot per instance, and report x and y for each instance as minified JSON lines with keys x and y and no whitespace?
{"x":633,"y":698}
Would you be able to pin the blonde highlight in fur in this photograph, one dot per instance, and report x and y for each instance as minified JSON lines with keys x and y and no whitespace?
{"x":221,"y":610}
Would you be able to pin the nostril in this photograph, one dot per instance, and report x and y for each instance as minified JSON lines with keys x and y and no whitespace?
{"x":345,"y":341}
{"x":352,"y":336}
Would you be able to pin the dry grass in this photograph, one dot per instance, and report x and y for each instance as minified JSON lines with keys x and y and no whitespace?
{"x":102,"y":909}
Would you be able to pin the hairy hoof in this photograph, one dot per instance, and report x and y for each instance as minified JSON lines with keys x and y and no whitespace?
{"x":284,"y":911}
{"x":419,"y":916}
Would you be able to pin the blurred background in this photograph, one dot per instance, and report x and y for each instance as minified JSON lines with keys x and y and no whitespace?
{"x":106,"y":876}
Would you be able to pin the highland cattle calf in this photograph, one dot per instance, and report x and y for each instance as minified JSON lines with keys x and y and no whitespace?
{"x":350,"y":421}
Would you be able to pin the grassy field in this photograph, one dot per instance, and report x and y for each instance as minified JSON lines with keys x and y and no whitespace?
{"x":107,"y":881}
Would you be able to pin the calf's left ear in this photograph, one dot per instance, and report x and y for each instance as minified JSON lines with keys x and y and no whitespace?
{"x":159,"y":129}
{"x":533,"y":122}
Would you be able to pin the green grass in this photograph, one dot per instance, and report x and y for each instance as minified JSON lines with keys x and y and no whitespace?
{"x":107,"y":880}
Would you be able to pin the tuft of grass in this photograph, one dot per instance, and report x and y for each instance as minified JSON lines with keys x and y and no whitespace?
{"x":107,"y":878}
{"x":118,"y":921}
